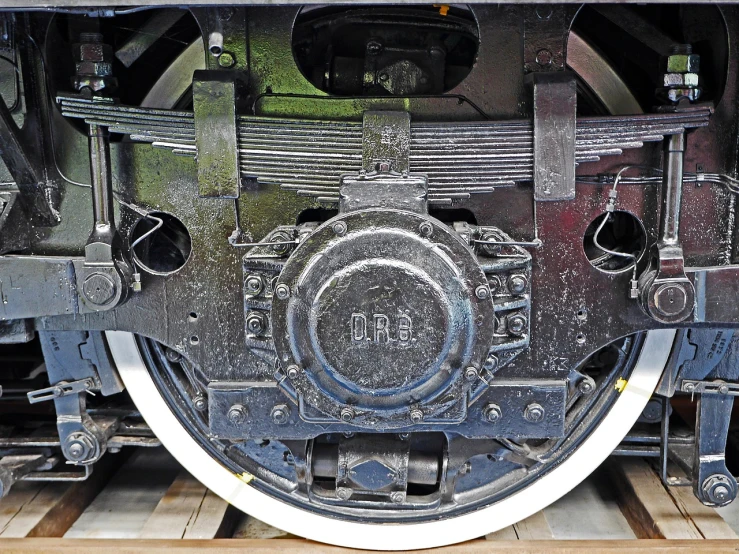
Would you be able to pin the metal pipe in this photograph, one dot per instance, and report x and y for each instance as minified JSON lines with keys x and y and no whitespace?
{"x":100,"y":176}
{"x":672,"y":189}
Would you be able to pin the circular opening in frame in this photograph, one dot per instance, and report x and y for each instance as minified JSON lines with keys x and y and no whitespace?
{"x":161,"y":243}
{"x":613,"y":242}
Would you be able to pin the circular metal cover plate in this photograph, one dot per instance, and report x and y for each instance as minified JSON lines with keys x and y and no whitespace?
{"x":383,"y":317}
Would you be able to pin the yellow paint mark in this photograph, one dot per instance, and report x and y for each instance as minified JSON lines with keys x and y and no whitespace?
{"x":246,"y":477}
{"x":443,"y":8}
{"x":621,"y":384}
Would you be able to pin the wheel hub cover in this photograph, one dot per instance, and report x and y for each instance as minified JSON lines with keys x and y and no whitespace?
{"x":383,"y":320}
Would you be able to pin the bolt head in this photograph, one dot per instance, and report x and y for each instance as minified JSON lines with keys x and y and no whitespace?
{"x":237,"y":414}
{"x":416,"y":416}
{"x":397,"y":497}
{"x":99,"y":289}
{"x":172,"y":355}
{"x":343,"y":493}
{"x":544,"y":57}
{"x":226,"y":59}
{"x":200,"y":402}
{"x":347,"y":414}
{"x":254,"y":285}
{"x":339,"y":228}
{"x":256,"y":323}
{"x":282,"y":291}
{"x":670,"y":299}
{"x":586,"y":386}
{"x":79,"y":447}
{"x":718,"y":489}
{"x":280,"y":414}
{"x":482,"y":292}
{"x":492,"y":413}
{"x":534,"y":413}
{"x":426,"y":229}
{"x":517,"y":284}
{"x":517,"y":324}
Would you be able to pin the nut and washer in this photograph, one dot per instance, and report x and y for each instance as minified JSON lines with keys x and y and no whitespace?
{"x":516,"y":324}
{"x":471,"y":373}
{"x":237,"y":414}
{"x":347,"y":414}
{"x":482,"y":292}
{"x":256,"y":323}
{"x":416,"y":416}
{"x":254,"y":285}
{"x":282,"y":291}
{"x":718,"y":489}
{"x":280,"y":414}
{"x":293,"y":371}
{"x":99,"y":289}
{"x":79,"y":447}
{"x":517,"y":284}
{"x":339,"y":228}
{"x":586,"y":386}
{"x":534,"y":413}
{"x":426,"y":229}
{"x":492,"y":413}
{"x":200,"y":402}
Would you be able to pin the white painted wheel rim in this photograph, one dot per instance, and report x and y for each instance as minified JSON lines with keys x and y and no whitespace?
{"x":539,"y":494}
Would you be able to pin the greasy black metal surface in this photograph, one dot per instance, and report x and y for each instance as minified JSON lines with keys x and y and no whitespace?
{"x":335,"y":352}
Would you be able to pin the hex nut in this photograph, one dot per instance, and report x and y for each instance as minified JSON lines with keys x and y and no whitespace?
{"x":200,"y":402}
{"x":416,"y":416}
{"x":347,"y":414}
{"x":237,"y":414}
{"x":256,"y":323}
{"x":482,"y":292}
{"x":681,"y":79}
{"x":718,"y":489}
{"x":339,"y":228}
{"x":280,"y":414}
{"x":293,"y":371}
{"x":534,"y":413}
{"x":254,"y":285}
{"x":517,"y":284}
{"x":516,"y":324}
{"x":282,"y":291}
{"x":683,"y":63}
{"x":426,"y":229}
{"x":79,"y":447}
{"x":492,"y":413}
{"x":471,"y":373}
